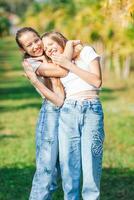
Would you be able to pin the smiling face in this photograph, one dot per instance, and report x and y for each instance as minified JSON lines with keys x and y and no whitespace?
{"x":32,"y":44}
{"x":51,"y":47}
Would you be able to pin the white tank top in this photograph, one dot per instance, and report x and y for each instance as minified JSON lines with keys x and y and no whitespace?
{"x":73,"y":84}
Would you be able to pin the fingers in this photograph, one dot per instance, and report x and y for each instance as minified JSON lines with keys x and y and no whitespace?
{"x":58,"y":57}
{"x":75,"y":42}
{"x":54,"y":58}
{"x":78,"y":48}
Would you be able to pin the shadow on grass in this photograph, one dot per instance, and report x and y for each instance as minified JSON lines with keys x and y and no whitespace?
{"x":19,"y":93}
{"x":109,"y":90}
{"x":15,"y":184}
{"x":3,"y":136}
{"x":108,"y":94}
{"x":26,"y":91}
{"x":16,"y":93}
{"x":20,"y":107}
{"x":117,"y":184}
{"x":8,"y":68}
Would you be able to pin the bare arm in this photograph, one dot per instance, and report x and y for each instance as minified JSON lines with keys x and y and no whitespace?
{"x":45,"y":68}
{"x":69,"y":48}
{"x":93,"y":77}
{"x":51,"y":70}
{"x":56,"y":98}
{"x":53,"y":97}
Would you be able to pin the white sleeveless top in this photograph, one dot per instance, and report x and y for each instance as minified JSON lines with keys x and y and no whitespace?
{"x":73,"y":84}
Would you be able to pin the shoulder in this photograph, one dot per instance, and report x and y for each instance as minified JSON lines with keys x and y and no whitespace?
{"x":34,"y":63}
{"x":87,"y":49}
{"x":88,"y":53}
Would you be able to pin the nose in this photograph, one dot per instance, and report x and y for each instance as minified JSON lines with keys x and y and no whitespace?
{"x":35,"y":46}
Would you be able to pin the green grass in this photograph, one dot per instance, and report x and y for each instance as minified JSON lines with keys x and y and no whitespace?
{"x":19,"y":110}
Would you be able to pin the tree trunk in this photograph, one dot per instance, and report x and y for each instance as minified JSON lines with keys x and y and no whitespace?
{"x":117,"y":66}
{"x":126,"y":67}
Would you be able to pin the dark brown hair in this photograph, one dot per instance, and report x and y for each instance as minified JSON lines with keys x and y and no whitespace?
{"x":20,"y":33}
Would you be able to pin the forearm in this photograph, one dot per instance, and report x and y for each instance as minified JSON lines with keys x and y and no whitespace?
{"x":68,"y":51}
{"x":51,"y":70}
{"x":92,"y":77}
{"x":57,"y":87}
{"x":88,"y":77}
{"x":72,"y":48}
{"x":48,"y":94}
{"x":43,"y":90}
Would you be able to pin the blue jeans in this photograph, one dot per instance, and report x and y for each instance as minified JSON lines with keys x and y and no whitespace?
{"x":81,"y":137}
{"x":44,"y":181}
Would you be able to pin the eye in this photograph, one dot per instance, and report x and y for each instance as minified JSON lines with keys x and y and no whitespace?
{"x":50,"y":44}
{"x":29,"y":45}
{"x":37,"y":40}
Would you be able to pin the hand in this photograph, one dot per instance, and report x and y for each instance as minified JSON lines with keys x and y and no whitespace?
{"x":61,"y":60}
{"x":73,"y":42}
{"x":78,"y":48}
{"x":28,"y":72}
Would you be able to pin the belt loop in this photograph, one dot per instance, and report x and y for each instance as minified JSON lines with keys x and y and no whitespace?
{"x":75,"y":103}
{"x":90,"y":104}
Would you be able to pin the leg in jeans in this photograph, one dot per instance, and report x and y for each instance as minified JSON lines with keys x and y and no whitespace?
{"x":46,"y":152}
{"x":92,"y":149}
{"x":69,"y":151}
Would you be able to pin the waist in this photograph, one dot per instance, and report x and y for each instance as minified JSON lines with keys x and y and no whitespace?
{"x":83,"y":95}
{"x":48,"y":104}
{"x":86,"y":102}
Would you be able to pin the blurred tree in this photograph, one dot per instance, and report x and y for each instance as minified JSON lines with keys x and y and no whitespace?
{"x":18,"y":7}
{"x":4,"y":23}
{"x":4,"y":26}
{"x":107,"y":24}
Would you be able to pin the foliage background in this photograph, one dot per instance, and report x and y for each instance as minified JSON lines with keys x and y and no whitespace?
{"x":107,"y":24}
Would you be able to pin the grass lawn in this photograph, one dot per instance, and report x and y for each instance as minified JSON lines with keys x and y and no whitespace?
{"x":19,"y":110}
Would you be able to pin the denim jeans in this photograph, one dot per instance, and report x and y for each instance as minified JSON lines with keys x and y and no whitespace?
{"x":81,"y":137}
{"x":44,"y":181}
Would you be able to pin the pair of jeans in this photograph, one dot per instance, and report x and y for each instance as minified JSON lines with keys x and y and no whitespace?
{"x":81,"y":137}
{"x":44,"y":181}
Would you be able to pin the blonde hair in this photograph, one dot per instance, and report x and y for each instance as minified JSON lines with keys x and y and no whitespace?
{"x":61,"y":40}
{"x":57,"y":37}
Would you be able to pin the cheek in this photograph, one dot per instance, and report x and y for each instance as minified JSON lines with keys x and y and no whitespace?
{"x":41,"y":45}
{"x":28,"y":50}
{"x":47,"y":53}
{"x":60,"y":49}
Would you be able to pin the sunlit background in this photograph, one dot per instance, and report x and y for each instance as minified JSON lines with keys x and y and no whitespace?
{"x":108,"y":26}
